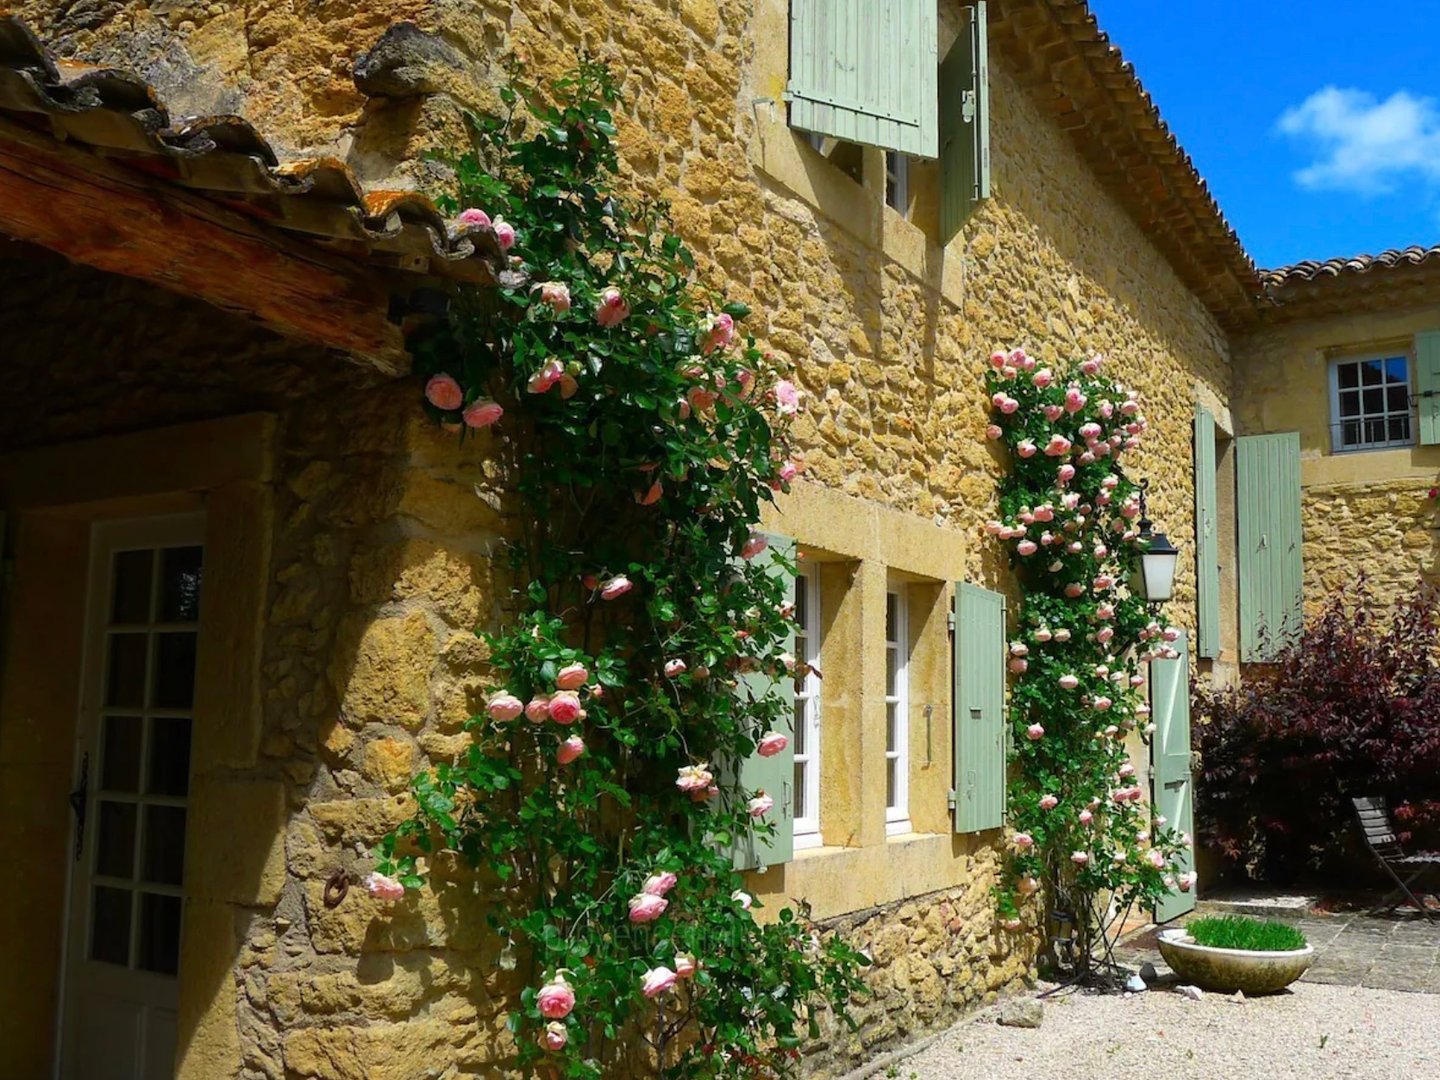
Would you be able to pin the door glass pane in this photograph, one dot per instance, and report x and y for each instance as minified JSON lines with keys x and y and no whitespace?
{"x":890,"y":726}
{"x":892,"y":670}
{"x":110,"y":925}
{"x":799,"y":728}
{"x":159,"y":948}
{"x":115,"y":839}
{"x":120,"y":762}
{"x":799,"y":789}
{"x":125,"y":677}
{"x":169,"y":770}
{"x":891,"y":602}
{"x":174,"y":670}
{"x":130,"y":597}
{"x":164,"y":861}
{"x":180,"y":585}
{"x":890,"y":764}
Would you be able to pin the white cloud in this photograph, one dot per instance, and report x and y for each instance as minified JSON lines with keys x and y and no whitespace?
{"x":1365,"y":145}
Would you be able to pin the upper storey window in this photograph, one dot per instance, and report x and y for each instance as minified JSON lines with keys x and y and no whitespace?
{"x":1370,"y":403}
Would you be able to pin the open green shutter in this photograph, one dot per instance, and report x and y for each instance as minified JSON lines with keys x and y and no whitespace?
{"x":773,"y":775}
{"x":865,"y":71}
{"x":964,"y":124}
{"x":1427,"y":384}
{"x":979,"y":709}
{"x":1173,"y":795}
{"x":1207,"y":548}
{"x":1267,"y":488}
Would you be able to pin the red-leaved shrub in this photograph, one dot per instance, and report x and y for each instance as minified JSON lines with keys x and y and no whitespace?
{"x":1351,"y":708}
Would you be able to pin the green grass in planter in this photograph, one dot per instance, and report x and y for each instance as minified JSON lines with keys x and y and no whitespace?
{"x":1239,"y":932}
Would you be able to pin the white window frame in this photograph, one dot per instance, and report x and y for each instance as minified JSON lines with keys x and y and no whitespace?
{"x":897,"y":814}
{"x":807,"y":707}
{"x":897,"y":182}
{"x":1337,"y":428}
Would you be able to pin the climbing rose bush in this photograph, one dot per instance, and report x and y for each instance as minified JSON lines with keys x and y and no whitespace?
{"x":1078,"y":827}
{"x":640,"y":430}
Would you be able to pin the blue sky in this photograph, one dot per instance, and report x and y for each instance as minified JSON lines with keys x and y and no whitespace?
{"x":1316,"y":124}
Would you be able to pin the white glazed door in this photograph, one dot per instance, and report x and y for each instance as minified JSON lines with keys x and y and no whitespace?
{"x":133,"y":782}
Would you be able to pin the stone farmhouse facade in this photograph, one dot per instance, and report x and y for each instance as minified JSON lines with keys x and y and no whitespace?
{"x":242,"y":574}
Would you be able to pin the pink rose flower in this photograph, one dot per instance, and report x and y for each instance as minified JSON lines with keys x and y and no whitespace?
{"x":993,"y":431}
{"x":1090,"y":431}
{"x":1034,"y":732}
{"x":555,"y":999}
{"x":1156,"y":859}
{"x":1053,"y":412}
{"x":1026,"y":547}
{"x":1103,"y":703}
{"x":1058,"y":446}
{"x":1129,"y":408}
{"x":760,"y":805}
{"x":1105,"y":611}
{"x":505,"y":233}
{"x":569,"y":750}
{"x":1022,"y":840}
{"x":1045,"y":512}
{"x":1019,"y":665}
{"x":1171,"y":633}
{"x":1065,"y":474}
{"x":554,"y":1037}
{"x":555,"y":294}
{"x":546,"y":376}
{"x":611,"y":309}
{"x":472,"y":216}
{"x":1107,"y":409}
{"x":659,"y":884}
{"x":381,"y":887}
{"x":1021,"y":360}
{"x":1187,"y":881}
{"x":1028,"y":885}
{"x":647,"y":907}
{"x":1042,"y":378}
{"x":615,"y":587}
{"x":685,"y":965}
{"x":1009,"y":405}
{"x":771,"y":744}
{"x":742,"y":898}
{"x":1074,"y":589}
{"x":694,"y":778}
{"x":1068,"y":682}
{"x":1008,"y":372}
{"x":674,"y":667}
{"x":538,"y":709}
{"x":1104,"y":634}
{"x":481,"y":413}
{"x":1019,"y":648}
{"x":657,"y":981}
{"x":1086,"y":817}
{"x":504,"y":707}
{"x":1062,"y":634}
{"x":1026,"y":448}
{"x":1080,"y":858}
{"x":571,"y":677}
{"x":1074,"y":400}
{"x":444,"y":392}
{"x":1091,"y":366}
{"x":1048,"y":802}
{"x":757,"y":543}
{"x":998,"y":360}
{"x":565,"y":707}
{"x":719,"y":334}
{"x":1043,"y":634}
{"x":787,"y":397}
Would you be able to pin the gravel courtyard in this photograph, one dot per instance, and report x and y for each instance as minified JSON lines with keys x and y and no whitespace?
{"x":1316,"y":1032}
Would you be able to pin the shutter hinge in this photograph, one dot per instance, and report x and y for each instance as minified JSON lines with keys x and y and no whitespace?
{"x":950,"y":622}
{"x":950,"y":799}
{"x":968,"y":106}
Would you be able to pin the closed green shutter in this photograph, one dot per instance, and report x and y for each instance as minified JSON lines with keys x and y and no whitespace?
{"x":865,"y":71}
{"x":964,"y":123}
{"x":1207,"y":547}
{"x":1174,"y":794}
{"x":979,"y":709}
{"x":1427,"y":384}
{"x":1267,"y":483}
{"x":774,"y":775}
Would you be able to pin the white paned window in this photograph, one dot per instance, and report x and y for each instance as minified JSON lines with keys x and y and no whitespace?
{"x":807,"y":708}
{"x":897,"y":183}
{"x":1370,"y":403}
{"x":897,"y":714}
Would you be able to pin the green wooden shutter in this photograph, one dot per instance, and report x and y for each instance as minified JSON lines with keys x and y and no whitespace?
{"x":1427,"y":384}
{"x":1173,"y":794}
{"x":964,"y":123}
{"x":1267,"y":482}
{"x":979,"y":709}
{"x":865,"y":71}
{"x":774,"y":775}
{"x":1207,"y":547}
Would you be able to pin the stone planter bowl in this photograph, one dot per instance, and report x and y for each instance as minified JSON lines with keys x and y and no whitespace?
{"x":1228,"y":970}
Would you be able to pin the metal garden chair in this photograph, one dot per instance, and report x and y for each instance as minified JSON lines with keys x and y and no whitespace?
{"x":1403,"y":869}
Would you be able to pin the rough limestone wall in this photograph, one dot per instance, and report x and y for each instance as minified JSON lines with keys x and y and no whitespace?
{"x":380,"y":563}
{"x":1388,"y":529}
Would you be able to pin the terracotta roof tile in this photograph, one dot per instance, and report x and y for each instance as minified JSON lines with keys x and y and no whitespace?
{"x":1319,"y":269}
{"x":117,"y":114}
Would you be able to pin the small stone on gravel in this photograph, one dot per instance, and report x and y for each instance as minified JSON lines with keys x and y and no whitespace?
{"x":1024,"y":1013}
{"x":1194,"y":993}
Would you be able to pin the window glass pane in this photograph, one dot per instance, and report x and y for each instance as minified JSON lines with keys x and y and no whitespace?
{"x":130,"y":597}
{"x":799,"y":742}
{"x":1397,"y":368}
{"x":892,"y":671}
{"x":169,"y":768}
{"x":891,"y":766}
{"x":110,"y":925}
{"x":891,"y":727}
{"x":1400,"y":429}
{"x":1351,"y":434}
{"x":120,"y":754}
{"x":180,"y":584}
{"x":1374,"y":401}
{"x":174,"y":670}
{"x":115,"y":839}
{"x":892,"y":602}
{"x":1374,"y":431}
{"x":125,"y":677}
{"x":1399,"y":398}
{"x":800,"y":808}
{"x":1348,"y":374}
{"x":1350,"y":403}
{"x":159,"y":948}
{"x":802,"y":606}
{"x":1370,"y":373}
{"x":164,"y":861}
